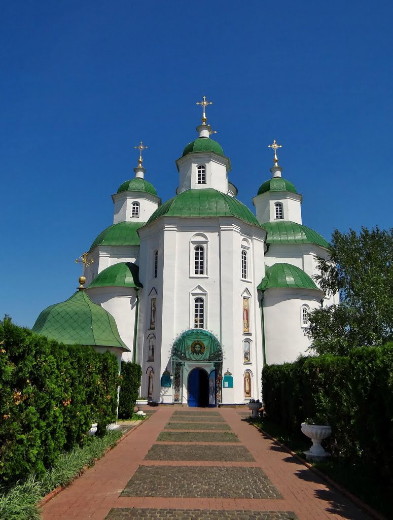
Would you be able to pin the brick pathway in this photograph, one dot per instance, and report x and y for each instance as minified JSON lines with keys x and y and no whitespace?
{"x":197,"y":473}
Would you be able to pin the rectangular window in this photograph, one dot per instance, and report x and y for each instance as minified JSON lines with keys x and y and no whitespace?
{"x":199,"y":260}
{"x":244,"y":264}
{"x":199,"y":313}
{"x":155,"y":270}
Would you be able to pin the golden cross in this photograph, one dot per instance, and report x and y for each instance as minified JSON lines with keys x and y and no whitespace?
{"x":274,"y":146}
{"x":204,"y":103}
{"x":140,"y":147}
{"x":84,"y":259}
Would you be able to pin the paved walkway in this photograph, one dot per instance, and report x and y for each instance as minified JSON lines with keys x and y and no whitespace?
{"x":185,"y":463}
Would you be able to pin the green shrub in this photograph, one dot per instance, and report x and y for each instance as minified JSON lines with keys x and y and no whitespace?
{"x":130,"y":380}
{"x":49,"y":396}
{"x":354,"y":394}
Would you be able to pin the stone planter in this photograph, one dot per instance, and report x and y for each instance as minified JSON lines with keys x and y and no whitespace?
{"x":316,"y":433}
{"x":254,"y":407}
{"x":140,"y":403}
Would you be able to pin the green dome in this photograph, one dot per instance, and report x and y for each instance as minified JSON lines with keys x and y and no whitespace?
{"x":277,"y":184}
{"x":203,"y":144}
{"x":137,"y":184}
{"x":287,"y":232}
{"x":286,"y":276}
{"x":79,"y":321}
{"x":123,"y":274}
{"x":204,"y":203}
{"x":121,"y":234}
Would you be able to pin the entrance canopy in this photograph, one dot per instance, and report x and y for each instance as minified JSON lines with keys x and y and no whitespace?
{"x":197,"y":345}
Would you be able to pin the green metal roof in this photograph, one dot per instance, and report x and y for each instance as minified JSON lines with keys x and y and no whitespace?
{"x":137,"y":184}
{"x":122,"y":274}
{"x":203,"y":144}
{"x":197,"y":345}
{"x":286,"y":276}
{"x":277,"y":184}
{"x":79,"y":321}
{"x":121,"y":234}
{"x":287,"y":232}
{"x":204,"y":203}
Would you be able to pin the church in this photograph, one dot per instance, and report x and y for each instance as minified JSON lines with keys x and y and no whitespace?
{"x":199,"y":290}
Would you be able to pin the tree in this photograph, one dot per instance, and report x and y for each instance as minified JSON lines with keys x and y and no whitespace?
{"x":360,"y":269}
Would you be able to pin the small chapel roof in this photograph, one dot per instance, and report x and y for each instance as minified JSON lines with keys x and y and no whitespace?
{"x":204,"y":203}
{"x":286,"y":276}
{"x":122,"y":274}
{"x":277,"y":184}
{"x":79,"y":321}
{"x":137,"y":184}
{"x":120,"y":234}
{"x":287,"y":232}
{"x":203,"y":144}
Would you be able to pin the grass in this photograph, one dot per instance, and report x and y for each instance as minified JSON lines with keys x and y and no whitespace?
{"x":20,"y":502}
{"x":359,"y":479}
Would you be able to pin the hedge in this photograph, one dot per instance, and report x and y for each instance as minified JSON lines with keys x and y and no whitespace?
{"x":130,"y":380}
{"x":50,"y":394}
{"x":354,"y":394}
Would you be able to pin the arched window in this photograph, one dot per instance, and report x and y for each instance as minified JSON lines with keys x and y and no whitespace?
{"x":199,"y":313}
{"x":279,"y":210}
{"x":304,"y":315}
{"x":244,"y":264}
{"x":201,"y":174}
{"x":155,"y":265}
{"x":135,"y":209}
{"x":199,"y":260}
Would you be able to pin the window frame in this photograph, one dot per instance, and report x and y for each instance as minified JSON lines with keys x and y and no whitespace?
{"x":199,"y":312}
{"x":278,"y":211}
{"x":135,"y":209}
{"x":201,"y":174}
{"x":304,"y":312}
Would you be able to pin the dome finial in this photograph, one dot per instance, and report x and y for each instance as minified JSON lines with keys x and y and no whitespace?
{"x":140,"y":147}
{"x":204,"y":103}
{"x":276,"y":169}
{"x":139,"y":170}
{"x":274,"y":146}
{"x":86,"y":261}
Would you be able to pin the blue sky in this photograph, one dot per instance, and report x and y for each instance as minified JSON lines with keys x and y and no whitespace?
{"x":82,"y":82}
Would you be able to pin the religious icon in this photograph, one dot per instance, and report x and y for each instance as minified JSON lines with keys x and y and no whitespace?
{"x":246,"y":352}
{"x":246,"y":324}
{"x":247,"y":384}
{"x":150,"y":356}
{"x":150,"y":384}
{"x":152,"y":313}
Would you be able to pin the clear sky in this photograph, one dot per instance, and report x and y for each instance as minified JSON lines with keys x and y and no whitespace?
{"x":83,"y":81}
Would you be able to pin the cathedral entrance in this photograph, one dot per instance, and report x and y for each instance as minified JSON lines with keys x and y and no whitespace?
{"x":198,"y":388}
{"x":196,"y":360}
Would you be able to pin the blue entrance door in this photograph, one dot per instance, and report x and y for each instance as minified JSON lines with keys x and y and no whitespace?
{"x":198,"y":388}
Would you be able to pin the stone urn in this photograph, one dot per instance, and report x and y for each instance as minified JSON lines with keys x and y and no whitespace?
{"x":254,"y":406}
{"x":316,"y":433}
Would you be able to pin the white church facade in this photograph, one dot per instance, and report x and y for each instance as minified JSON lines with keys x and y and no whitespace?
{"x":203,"y":291}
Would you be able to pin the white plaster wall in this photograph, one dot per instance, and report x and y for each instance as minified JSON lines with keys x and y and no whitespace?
{"x":216,"y":172}
{"x":120,"y":302}
{"x":265,"y":211}
{"x":123,"y":206}
{"x":285,"y":338}
{"x":105,"y":256}
{"x":223,"y":287}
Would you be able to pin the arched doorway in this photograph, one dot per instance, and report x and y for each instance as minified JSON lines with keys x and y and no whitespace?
{"x":198,"y":387}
